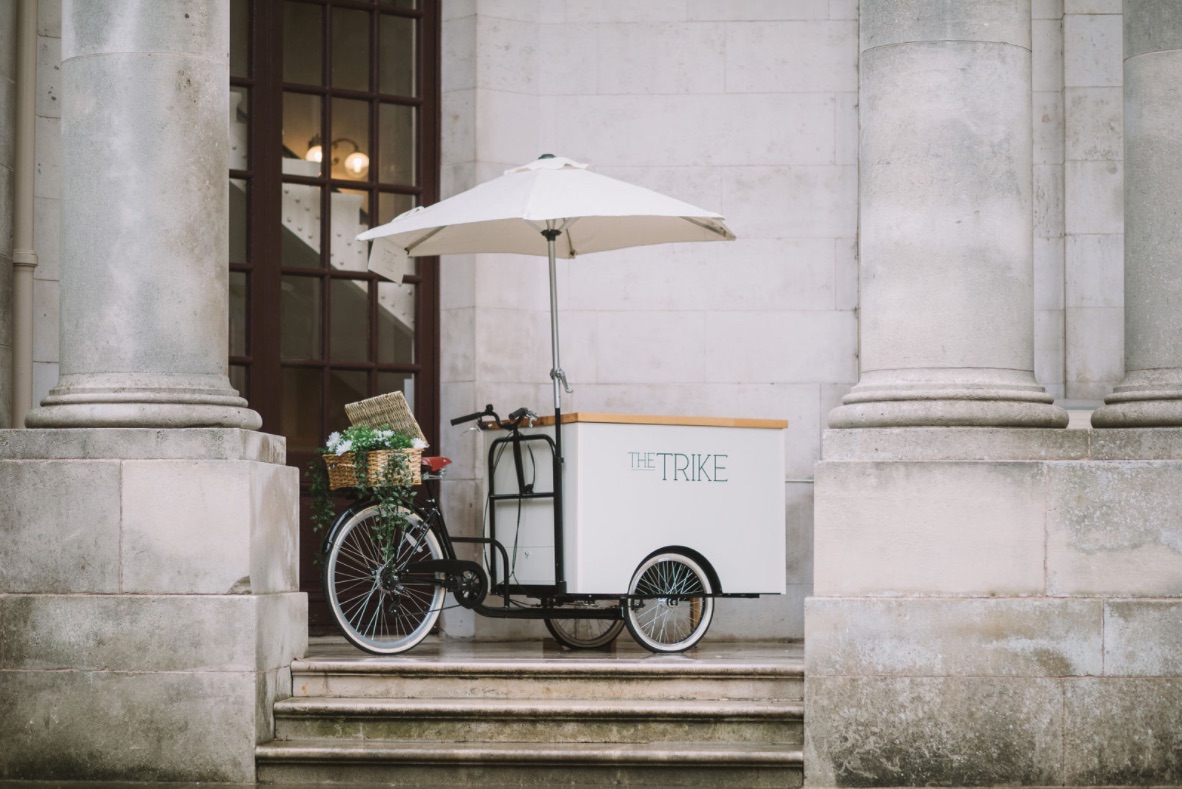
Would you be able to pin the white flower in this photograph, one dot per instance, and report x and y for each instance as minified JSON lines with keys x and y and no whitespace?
{"x":419,"y":443}
{"x":333,"y":440}
{"x":344,"y":447}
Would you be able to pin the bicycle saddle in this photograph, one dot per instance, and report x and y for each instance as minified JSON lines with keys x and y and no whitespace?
{"x":436,"y":464}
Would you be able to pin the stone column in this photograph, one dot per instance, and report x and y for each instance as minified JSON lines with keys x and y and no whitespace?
{"x":1151,"y":393}
{"x":144,"y":219}
{"x":946,"y":213}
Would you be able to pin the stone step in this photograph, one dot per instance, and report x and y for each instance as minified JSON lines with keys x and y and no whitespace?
{"x":541,"y":720}
{"x":529,"y":764}
{"x":654,"y":678}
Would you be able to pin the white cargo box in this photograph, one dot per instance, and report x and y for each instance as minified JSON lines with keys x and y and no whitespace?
{"x":638,"y":484}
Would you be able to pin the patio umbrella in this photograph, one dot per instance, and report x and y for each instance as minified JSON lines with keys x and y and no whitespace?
{"x":554,"y":207}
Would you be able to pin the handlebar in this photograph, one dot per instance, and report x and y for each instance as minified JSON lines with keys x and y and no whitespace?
{"x":488,"y":411}
{"x":489,"y":419}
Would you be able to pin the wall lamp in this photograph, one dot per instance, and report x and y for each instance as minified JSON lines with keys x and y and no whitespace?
{"x":356,"y":163}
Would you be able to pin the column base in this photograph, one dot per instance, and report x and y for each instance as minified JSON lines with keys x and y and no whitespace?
{"x":1145,"y":398}
{"x":138,"y":400}
{"x":948,"y":398}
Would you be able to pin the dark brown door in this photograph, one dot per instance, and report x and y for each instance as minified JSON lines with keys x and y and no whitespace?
{"x":334,"y":128}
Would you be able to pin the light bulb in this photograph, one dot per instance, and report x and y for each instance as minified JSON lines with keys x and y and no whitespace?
{"x":357,"y":163}
{"x":314,"y":154}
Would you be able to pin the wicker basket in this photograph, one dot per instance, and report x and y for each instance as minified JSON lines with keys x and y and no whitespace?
{"x":388,"y":409}
{"x":342,"y":469}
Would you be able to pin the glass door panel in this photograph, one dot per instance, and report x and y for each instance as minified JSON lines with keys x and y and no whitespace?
{"x":300,"y":416}
{"x":396,"y":144}
{"x":300,"y":319}
{"x":303,"y":43}
{"x":349,"y":335}
{"x":350,"y":48}
{"x":396,"y":56}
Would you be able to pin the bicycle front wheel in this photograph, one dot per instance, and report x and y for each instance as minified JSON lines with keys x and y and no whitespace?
{"x":379,"y":606}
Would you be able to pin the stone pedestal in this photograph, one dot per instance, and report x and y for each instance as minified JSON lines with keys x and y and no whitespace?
{"x":946,"y":216}
{"x":149,"y":610}
{"x":1151,"y":393}
{"x":996,"y":606}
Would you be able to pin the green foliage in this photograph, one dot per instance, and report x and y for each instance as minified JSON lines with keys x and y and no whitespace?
{"x":391,"y":493}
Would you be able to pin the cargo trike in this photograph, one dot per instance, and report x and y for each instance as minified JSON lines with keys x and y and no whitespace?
{"x":593,"y":523}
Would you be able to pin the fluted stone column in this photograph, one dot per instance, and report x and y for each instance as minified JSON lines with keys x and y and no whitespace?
{"x":1151,"y":393}
{"x":144,"y":218}
{"x":946,"y":213}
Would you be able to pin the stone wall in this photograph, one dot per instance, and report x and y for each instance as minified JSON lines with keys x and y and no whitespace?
{"x":8,"y":36}
{"x":47,"y":194}
{"x":749,"y":109}
{"x":996,"y":607}
{"x":149,"y":603}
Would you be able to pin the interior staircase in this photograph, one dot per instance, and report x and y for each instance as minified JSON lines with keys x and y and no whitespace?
{"x":717,"y":718}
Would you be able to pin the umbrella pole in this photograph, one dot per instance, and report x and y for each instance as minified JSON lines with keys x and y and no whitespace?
{"x":558,"y":378}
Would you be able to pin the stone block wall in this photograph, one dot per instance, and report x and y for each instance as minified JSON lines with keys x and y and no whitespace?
{"x":996,"y":607}
{"x":1093,"y":197}
{"x":47,"y":197}
{"x":749,"y":109}
{"x":149,"y":604}
{"x":8,"y":36}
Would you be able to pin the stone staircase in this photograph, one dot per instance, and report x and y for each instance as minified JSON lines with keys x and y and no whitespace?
{"x":630,"y":719}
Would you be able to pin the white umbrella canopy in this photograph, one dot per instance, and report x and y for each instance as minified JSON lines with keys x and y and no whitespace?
{"x":508,"y":214}
{"x":552,"y":206}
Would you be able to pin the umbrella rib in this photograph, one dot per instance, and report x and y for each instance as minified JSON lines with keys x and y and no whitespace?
{"x":705,"y":226}
{"x":425,"y":238}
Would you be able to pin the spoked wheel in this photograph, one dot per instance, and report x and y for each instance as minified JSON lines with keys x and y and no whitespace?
{"x":380,"y":607}
{"x":671,"y":607}
{"x":586,"y":633}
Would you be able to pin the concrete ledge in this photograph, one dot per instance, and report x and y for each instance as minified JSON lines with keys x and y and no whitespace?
{"x":936,"y":444}
{"x":142,"y":444}
{"x":1143,"y":638}
{"x":60,"y":526}
{"x":945,"y":731}
{"x":954,"y":637}
{"x":1123,"y":732}
{"x":909,"y":529}
{"x":1113,"y":529}
{"x":128,"y":726}
{"x":136,"y":633}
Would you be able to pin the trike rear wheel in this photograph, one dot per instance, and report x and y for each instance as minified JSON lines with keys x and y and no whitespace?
{"x":380,"y":607}
{"x":586,"y":633}
{"x":670,"y":604}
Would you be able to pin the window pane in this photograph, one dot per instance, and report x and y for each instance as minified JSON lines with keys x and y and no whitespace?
{"x":238,"y":227}
{"x":300,"y":311}
{"x":396,"y":323}
{"x":349,"y":335}
{"x":300,"y":237}
{"x":391,"y":204}
{"x":239,"y":128}
{"x":399,"y":3}
{"x":239,"y":379}
{"x":350,"y":216}
{"x":303,"y":43}
{"x":350,"y":49}
{"x":398,"y":382}
{"x":238,"y":313}
{"x":239,"y":38}
{"x":396,"y":144}
{"x":396,"y":52}
{"x":350,"y":139}
{"x":299,"y":416}
{"x":302,"y":149}
{"x":344,"y":386}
